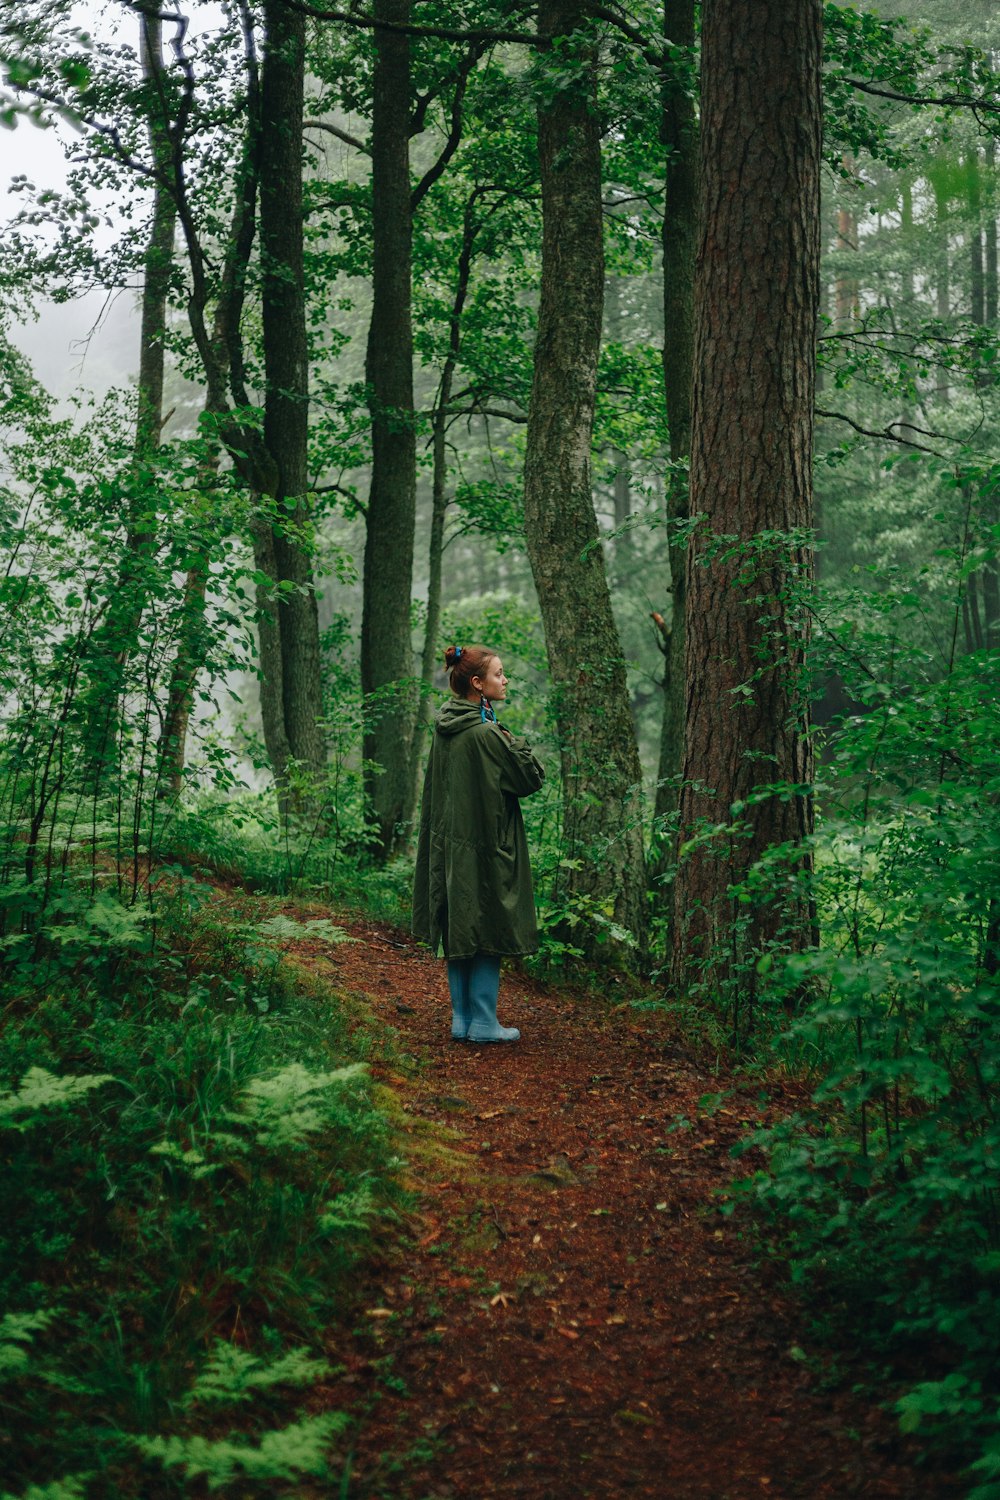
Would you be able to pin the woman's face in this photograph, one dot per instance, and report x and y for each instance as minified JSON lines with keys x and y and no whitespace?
{"x":492,"y":684}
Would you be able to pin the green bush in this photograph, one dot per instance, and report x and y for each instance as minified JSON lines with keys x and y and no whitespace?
{"x":884,"y":1191}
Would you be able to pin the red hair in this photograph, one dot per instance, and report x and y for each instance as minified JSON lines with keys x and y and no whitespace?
{"x":462,"y":663}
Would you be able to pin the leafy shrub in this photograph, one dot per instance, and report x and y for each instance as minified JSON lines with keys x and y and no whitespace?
{"x":884,"y":1190}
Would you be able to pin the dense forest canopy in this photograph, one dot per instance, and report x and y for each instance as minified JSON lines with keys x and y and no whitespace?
{"x":654,"y":346}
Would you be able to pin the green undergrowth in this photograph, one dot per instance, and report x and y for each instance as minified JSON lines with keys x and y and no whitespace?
{"x":196,"y":1165}
{"x":240,"y":838}
{"x":881,"y":1192}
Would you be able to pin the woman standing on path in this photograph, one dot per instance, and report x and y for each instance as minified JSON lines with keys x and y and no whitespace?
{"x":472,"y":885}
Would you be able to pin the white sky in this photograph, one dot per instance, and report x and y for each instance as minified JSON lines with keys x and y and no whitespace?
{"x":90,"y":343}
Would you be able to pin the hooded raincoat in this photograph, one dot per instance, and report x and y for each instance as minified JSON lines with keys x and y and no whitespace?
{"x":472,"y":885}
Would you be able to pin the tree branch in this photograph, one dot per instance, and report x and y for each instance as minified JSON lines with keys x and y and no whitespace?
{"x":450,"y":146}
{"x":476,"y":410}
{"x":342,"y":135}
{"x":363,"y":22}
{"x":887,"y":433}
{"x":944,"y":101}
{"x":651,"y":51}
{"x":107,"y":132}
{"x":339,"y":489}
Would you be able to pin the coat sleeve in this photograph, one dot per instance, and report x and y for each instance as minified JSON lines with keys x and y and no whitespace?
{"x":520,"y":772}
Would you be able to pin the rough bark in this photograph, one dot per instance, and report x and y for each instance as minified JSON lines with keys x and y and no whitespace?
{"x":387,"y":664}
{"x":293,"y":704}
{"x":602,"y":834}
{"x":752,"y":429}
{"x":680,"y":234}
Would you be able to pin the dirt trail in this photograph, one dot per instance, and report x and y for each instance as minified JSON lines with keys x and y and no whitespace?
{"x":575,"y":1318}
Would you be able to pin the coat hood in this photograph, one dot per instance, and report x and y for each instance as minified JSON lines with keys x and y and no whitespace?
{"x":457,"y":714}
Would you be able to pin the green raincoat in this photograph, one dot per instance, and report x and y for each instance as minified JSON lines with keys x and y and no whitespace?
{"x":472,"y":885}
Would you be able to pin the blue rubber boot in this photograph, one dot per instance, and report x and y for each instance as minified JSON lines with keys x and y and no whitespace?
{"x":458,"y":986}
{"x":484,"y":986}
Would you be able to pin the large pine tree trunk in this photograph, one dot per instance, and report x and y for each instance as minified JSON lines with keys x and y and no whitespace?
{"x":600,"y":765}
{"x":386,"y":635}
{"x":680,"y":233}
{"x":754,"y":376}
{"x":292,"y":699}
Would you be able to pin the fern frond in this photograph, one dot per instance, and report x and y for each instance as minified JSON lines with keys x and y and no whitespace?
{"x":42,"y":1090}
{"x":283,"y":1454}
{"x":233,"y":1374}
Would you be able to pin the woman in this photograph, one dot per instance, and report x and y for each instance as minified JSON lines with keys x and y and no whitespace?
{"x":472,"y":886}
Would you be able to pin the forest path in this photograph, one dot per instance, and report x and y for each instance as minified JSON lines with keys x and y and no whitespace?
{"x":574,"y":1317}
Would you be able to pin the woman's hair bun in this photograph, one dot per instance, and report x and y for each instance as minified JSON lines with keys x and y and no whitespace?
{"x":462,"y":663}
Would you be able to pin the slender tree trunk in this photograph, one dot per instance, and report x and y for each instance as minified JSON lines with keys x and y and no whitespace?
{"x":752,"y":431}
{"x":431,"y":655}
{"x":294,"y":709}
{"x":621,"y":485}
{"x":158,"y":265}
{"x":907,"y":289}
{"x":943,"y":282}
{"x":622,"y":491}
{"x":990,"y":234}
{"x":991,"y":587}
{"x":680,"y":236}
{"x":977,"y":280}
{"x":600,"y":763}
{"x":115,"y":641}
{"x":387,"y":664}
{"x":983,"y":623}
{"x":941,"y":219}
{"x":189,"y":657}
{"x":971,"y":622}
{"x":906,"y":225}
{"x":846,"y":292}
